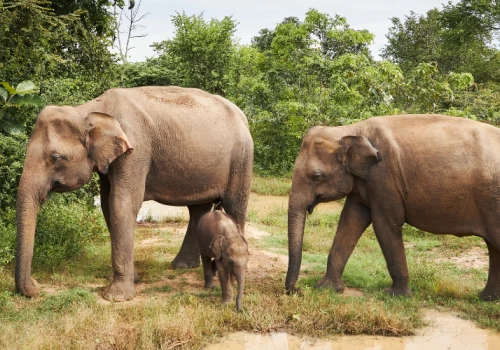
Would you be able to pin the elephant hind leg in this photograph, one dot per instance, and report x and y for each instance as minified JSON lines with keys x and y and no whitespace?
{"x":189,"y":254}
{"x":492,"y":290}
{"x":235,"y":199}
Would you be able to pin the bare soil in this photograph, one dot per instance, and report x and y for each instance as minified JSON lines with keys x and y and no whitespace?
{"x":476,"y":258}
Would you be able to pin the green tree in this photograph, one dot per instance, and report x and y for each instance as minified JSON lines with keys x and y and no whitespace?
{"x":459,"y":38}
{"x":200,"y":52}
{"x":414,"y":40}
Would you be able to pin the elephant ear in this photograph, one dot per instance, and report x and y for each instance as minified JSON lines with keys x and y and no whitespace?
{"x":105,"y":140}
{"x":216,"y":246}
{"x":359,"y":155}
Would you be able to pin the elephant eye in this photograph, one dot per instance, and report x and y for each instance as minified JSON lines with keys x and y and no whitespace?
{"x":54,"y":157}
{"x":316,"y":176}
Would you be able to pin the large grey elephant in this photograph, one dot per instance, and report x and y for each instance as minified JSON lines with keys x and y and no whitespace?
{"x":438,"y":173}
{"x":174,"y":145}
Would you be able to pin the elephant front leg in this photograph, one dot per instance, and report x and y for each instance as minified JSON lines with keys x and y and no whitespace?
{"x":123,"y":212}
{"x":189,"y":255}
{"x":207,"y":271}
{"x":388,"y":231}
{"x":354,"y":220}
{"x":105,"y":188}
{"x":225,"y":282}
{"x":492,"y":290}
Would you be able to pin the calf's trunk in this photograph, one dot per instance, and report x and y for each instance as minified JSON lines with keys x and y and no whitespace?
{"x":240,"y":278}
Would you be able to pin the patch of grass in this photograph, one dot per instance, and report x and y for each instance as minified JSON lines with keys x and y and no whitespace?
{"x":271,"y":186}
{"x":176,"y":219}
{"x":159,"y":289}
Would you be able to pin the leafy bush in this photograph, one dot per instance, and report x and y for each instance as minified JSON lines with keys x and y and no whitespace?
{"x":64,"y":228}
{"x":7,"y":236}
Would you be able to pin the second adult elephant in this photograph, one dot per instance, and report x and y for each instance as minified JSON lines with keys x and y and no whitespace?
{"x":438,"y":173}
{"x":173,"y":145}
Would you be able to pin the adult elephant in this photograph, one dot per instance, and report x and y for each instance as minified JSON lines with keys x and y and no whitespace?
{"x":174,"y":145}
{"x":438,"y":173}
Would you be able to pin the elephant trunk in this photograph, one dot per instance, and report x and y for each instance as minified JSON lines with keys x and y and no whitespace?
{"x":240,"y":279}
{"x":296,"y":222}
{"x":29,"y":198}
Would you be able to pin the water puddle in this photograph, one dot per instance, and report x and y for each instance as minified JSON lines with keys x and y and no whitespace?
{"x":446,"y":331}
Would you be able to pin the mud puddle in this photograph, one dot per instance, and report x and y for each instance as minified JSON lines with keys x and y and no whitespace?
{"x":446,"y":331}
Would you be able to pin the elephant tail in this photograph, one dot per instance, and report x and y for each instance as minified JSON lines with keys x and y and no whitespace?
{"x":218,"y":206}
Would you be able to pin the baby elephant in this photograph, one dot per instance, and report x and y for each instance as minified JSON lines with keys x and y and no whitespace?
{"x":221,"y":239}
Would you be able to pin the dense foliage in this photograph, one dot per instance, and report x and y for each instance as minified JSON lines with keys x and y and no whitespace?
{"x":51,"y":52}
{"x":305,"y":71}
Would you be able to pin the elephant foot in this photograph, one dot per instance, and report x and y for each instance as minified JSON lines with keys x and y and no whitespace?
{"x":337,"y":285}
{"x":209,"y":285}
{"x":399,"y":291}
{"x":186,"y":261}
{"x":119,"y":291}
{"x":489,"y":295}
{"x":29,"y":289}
{"x":227,"y":301}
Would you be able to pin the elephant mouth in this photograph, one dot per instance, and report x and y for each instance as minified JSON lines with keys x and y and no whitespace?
{"x":58,"y":186}
{"x":322,"y":199}
{"x":311,"y":206}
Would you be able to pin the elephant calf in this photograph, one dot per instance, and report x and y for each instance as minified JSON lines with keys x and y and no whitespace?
{"x":221,"y":239}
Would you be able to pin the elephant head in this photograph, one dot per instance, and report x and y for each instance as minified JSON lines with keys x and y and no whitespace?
{"x":232,"y":249}
{"x":325,"y":170}
{"x":61,"y":154}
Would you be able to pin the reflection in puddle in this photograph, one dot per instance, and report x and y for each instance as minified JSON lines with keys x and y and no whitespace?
{"x":446,"y":331}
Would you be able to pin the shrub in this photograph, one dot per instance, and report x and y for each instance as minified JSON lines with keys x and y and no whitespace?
{"x":64,"y":228}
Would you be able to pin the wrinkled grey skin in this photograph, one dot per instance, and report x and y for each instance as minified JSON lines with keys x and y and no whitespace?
{"x":173,"y":145}
{"x":221,"y":239}
{"x":440,"y":174}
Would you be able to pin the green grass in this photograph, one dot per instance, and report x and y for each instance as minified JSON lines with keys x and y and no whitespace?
{"x":172,"y":309}
{"x":270,"y":185}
